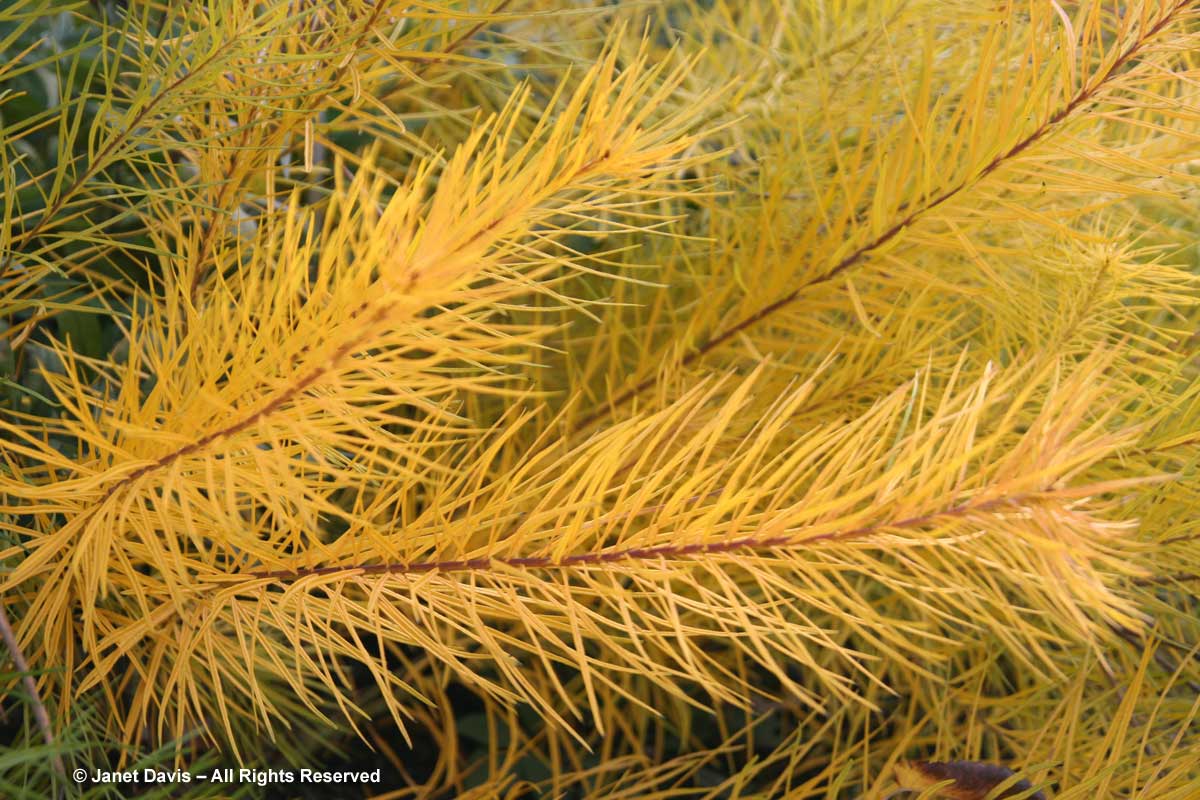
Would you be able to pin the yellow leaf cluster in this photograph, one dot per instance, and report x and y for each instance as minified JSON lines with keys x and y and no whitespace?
{"x":629,"y":368}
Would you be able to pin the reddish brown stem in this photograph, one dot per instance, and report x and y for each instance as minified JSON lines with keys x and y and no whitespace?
{"x":666,"y":551}
{"x":1084,"y":96}
{"x":40,"y":716}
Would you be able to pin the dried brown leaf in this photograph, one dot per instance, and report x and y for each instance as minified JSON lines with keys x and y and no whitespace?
{"x":973,"y":780}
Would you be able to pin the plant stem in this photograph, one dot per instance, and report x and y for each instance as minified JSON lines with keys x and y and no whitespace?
{"x":39,"y":709}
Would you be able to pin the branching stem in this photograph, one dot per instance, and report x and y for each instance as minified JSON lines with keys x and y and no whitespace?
{"x":666,"y":551}
{"x":1082,"y":98}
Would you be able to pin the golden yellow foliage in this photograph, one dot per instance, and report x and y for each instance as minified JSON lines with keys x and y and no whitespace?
{"x":626,"y":369}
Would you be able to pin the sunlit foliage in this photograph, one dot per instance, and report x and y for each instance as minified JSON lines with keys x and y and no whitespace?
{"x":770,"y":398}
